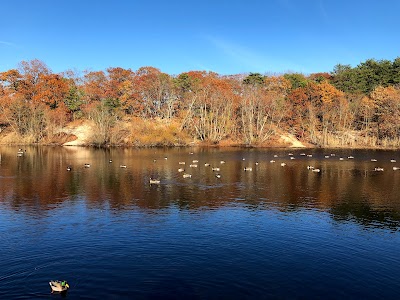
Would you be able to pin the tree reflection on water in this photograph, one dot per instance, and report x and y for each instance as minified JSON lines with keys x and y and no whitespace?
{"x":38,"y":182}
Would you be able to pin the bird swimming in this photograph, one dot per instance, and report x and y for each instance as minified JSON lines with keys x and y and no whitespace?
{"x":155,"y":181}
{"x":58,"y":286}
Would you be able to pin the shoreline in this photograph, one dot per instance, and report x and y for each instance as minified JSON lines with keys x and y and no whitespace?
{"x":201,"y":145}
{"x":81,"y":134}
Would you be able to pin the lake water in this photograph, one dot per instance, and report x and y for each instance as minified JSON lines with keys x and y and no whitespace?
{"x":280,"y":232}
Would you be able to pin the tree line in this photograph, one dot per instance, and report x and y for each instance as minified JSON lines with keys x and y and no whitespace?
{"x":349,"y":106}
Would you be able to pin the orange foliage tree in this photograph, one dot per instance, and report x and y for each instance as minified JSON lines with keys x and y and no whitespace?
{"x":153,"y":94}
{"x":262,"y":106}
{"x":33,"y":92}
{"x":317,"y":109}
{"x":387,"y":111}
{"x":328,"y":102}
{"x":207,"y":106}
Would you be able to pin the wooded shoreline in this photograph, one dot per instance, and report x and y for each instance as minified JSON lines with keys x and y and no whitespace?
{"x":80,"y":135}
{"x":347,"y":108}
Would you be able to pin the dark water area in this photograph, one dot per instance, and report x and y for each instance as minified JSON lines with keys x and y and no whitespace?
{"x":275,"y":232}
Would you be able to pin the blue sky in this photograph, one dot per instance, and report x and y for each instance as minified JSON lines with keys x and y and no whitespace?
{"x":226,"y":36}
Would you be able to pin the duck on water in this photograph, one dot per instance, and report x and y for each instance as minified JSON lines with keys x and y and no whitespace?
{"x":59,"y":286}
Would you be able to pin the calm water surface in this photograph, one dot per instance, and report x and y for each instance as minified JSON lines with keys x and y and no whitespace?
{"x":273,"y":232}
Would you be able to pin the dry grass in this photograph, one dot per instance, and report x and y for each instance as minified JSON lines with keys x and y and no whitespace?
{"x":357,"y":139}
{"x":391,"y":143}
{"x":150,"y":133}
{"x":13,"y":138}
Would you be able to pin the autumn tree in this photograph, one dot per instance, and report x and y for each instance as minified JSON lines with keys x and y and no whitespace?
{"x":120,"y":88}
{"x":209,"y":110}
{"x":153,"y":93}
{"x":187,"y":86}
{"x":32,"y":72}
{"x":387,"y":111}
{"x":102,"y":104}
{"x":262,"y":107}
{"x":329,"y":104}
{"x":95,"y":86}
{"x":103,"y":114}
{"x":320,"y":77}
{"x":317,"y":110}
{"x":299,"y":114}
{"x":27,"y":112}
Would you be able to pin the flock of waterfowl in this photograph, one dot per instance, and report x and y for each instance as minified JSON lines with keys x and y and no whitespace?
{"x":194,"y":164}
{"x":216,"y":169}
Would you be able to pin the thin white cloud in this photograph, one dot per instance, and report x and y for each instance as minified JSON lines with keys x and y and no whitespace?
{"x":242,"y":56}
{"x":191,"y":64}
{"x":200,"y":66}
{"x":8,"y":44}
{"x":249,"y":60}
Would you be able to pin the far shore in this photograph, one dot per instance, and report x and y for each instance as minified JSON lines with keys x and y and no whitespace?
{"x":82,"y":134}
